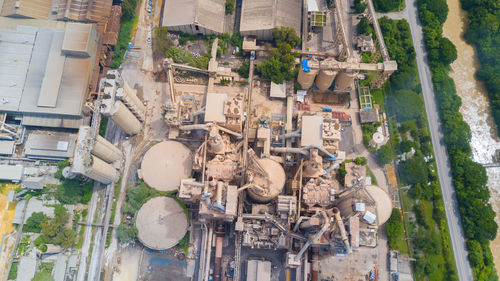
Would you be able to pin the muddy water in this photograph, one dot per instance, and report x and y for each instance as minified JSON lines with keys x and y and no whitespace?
{"x":475,"y":107}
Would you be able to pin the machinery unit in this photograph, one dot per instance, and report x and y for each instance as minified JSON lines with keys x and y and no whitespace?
{"x":266,"y":180}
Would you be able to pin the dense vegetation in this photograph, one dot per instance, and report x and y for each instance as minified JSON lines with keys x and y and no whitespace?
{"x":431,"y":245}
{"x":469,"y":178}
{"x":388,"y":5}
{"x":73,"y":191}
{"x":278,"y":67}
{"x":54,"y":231}
{"x":129,"y":21}
{"x":484,"y":33}
{"x":229,"y":7}
{"x":394,"y":228}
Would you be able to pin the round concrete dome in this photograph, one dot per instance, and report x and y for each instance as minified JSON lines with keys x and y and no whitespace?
{"x":276,"y":175}
{"x":161,"y":222}
{"x":383,"y":202}
{"x":165,"y":164}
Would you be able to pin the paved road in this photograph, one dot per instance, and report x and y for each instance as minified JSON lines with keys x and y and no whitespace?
{"x":450,"y":202}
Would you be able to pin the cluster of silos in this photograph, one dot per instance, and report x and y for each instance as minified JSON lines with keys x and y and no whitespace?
{"x":324,"y":73}
{"x":98,"y":162}
{"x":122,"y":105}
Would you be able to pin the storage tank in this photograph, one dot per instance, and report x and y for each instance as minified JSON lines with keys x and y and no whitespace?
{"x":122,"y":117}
{"x":101,"y":171}
{"x":307,"y":73}
{"x":325,"y":77}
{"x":129,"y":97}
{"x":382,"y":201}
{"x":161,"y":223}
{"x":269,"y":188}
{"x":106,"y":150}
{"x":345,"y":81}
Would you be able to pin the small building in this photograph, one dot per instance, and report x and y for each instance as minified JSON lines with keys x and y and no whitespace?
{"x":36,"y":183}
{"x":312,"y":131}
{"x":12,"y":173}
{"x":258,"y":270}
{"x":369,"y":115}
{"x":39,"y":9}
{"x":278,"y":90}
{"x":54,"y":146}
{"x":194,"y":17}
{"x":365,"y":43}
{"x":259,"y":17}
{"x":7,"y":147}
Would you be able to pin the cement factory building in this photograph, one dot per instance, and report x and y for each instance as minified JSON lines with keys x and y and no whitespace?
{"x":46,"y":68}
{"x":194,"y":17}
{"x":259,"y":17}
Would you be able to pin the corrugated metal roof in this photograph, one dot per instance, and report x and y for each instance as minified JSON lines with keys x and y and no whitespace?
{"x":35,"y":78}
{"x":207,"y":13}
{"x":258,"y":270}
{"x":38,"y":9}
{"x":214,"y":111}
{"x":7,"y":147}
{"x":11,"y":172}
{"x":54,"y":146}
{"x":77,"y":39}
{"x":265,"y":14}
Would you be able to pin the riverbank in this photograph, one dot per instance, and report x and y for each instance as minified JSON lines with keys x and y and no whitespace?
{"x":475,"y":107}
{"x":469,"y":177}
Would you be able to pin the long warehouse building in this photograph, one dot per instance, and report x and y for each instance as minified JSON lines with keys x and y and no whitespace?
{"x":45,"y":69}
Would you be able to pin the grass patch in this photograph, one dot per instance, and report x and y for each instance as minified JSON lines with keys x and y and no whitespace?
{"x":124,"y":38}
{"x":13,"y":271}
{"x":103,"y":126}
{"x":370,"y":174}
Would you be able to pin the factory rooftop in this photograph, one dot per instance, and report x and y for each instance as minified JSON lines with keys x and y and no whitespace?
{"x":184,"y":15}
{"x":45,"y":69}
{"x":259,"y":17}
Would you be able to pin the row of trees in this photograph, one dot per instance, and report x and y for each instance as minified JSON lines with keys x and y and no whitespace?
{"x":404,"y":104}
{"x":129,"y":20}
{"x":469,"y":178}
{"x":483,"y":32}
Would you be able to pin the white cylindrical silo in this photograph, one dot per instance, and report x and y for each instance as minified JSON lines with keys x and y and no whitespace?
{"x":124,"y":118}
{"x":129,"y":97}
{"x":325,"y":77}
{"x":307,"y":73}
{"x":106,"y":150}
{"x":101,"y":171}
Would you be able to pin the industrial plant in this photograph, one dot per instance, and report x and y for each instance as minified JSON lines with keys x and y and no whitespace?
{"x":237,"y":178}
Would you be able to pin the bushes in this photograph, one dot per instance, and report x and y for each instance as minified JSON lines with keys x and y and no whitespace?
{"x":129,"y":20}
{"x":126,"y":233}
{"x":136,"y":197}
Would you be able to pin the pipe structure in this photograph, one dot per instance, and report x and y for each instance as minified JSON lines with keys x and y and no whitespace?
{"x":315,"y":264}
{"x":343,"y":233}
{"x":325,"y":227}
{"x":206,"y":127}
{"x":295,"y":150}
{"x":293,"y":134}
{"x":208,"y":253}
{"x":276,"y":223}
{"x":219,"y":232}
{"x":204,"y":237}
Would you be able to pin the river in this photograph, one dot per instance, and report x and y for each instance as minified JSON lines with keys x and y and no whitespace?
{"x":475,"y":107}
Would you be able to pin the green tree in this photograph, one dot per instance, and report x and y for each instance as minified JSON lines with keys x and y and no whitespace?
{"x":126,"y":234}
{"x":394,"y":228}
{"x":447,"y":51}
{"x":229,"y":7}
{"x":161,"y":41}
{"x":414,"y":170}
{"x":387,"y":5}
{"x":33,"y":224}
{"x":244,"y":69}
{"x":360,"y":6}
{"x":385,"y":154}
{"x":287,"y":35}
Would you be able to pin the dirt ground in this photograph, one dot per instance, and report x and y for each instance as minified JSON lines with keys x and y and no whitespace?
{"x":128,"y":270}
{"x":6,"y":216}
